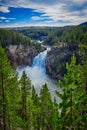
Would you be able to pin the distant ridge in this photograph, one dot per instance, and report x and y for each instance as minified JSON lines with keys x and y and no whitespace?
{"x":83,"y":24}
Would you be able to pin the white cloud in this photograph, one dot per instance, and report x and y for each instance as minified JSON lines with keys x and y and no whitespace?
{"x":61,"y":12}
{"x":7,"y":21}
{"x":4,"y":9}
{"x":41,"y":17}
{"x":79,"y":2}
{"x":22,"y":24}
{"x":36,"y":18}
{"x":4,"y":18}
{"x":84,"y":11}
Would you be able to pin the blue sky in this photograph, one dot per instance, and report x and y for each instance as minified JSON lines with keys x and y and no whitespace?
{"x":17,"y":13}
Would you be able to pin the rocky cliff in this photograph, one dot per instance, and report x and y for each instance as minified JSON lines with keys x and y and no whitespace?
{"x":20,"y":55}
{"x":56,"y":61}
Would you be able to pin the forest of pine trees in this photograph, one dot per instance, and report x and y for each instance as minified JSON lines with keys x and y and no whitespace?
{"x":55,"y":36}
{"x":21,"y":108}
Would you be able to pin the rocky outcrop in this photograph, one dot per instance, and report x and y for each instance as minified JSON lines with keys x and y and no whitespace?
{"x":20,"y":55}
{"x":56,"y":61}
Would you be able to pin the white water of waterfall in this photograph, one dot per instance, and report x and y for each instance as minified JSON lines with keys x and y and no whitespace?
{"x":38,"y":76}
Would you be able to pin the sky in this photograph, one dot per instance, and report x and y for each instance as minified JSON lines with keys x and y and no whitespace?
{"x":21,"y":13}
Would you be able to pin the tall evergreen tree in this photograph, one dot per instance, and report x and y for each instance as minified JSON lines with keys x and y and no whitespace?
{"x":55,"y":116}
{"x":83,"y":54}
{"x":25,"y":99}
{"x":72,"y":98}
{"x":36,"y":113}
{"x":8,"y":93}
{"x":46,"y":108}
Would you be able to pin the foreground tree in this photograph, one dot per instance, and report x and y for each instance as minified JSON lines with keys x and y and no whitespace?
{"x":83,"y":55}
{"x":25,"y":110}
{"x":36,"y":112}
{"x":55,"y":116}
{"x":8,"y":94}
{"x":46,"y":108}
{"x":73,"y":98}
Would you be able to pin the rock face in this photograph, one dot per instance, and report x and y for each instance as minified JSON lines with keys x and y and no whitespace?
{"x":56,"y":61}
{"x":20,"y":55}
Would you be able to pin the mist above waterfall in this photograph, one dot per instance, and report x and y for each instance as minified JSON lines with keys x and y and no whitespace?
{"x":37,"y":73}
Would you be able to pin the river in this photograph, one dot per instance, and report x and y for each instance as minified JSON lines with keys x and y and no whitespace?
{"x":38,"y":76}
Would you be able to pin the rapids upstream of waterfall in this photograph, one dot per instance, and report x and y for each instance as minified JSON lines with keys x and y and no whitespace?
{"x":38,"y":76}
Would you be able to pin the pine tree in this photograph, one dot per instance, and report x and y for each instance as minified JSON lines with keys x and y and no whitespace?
{"x":46,"y":108}
{"x":8,"y":93}
{"x":72,"y":98}
{"x":55,"y":116}
{"x":36,"y":113}
{"x":83,"y":55}
{"x":25,"y":85}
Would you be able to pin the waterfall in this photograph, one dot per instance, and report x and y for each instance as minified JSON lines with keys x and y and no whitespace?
{"x":39,"y":61}
{"x":37,"y":74}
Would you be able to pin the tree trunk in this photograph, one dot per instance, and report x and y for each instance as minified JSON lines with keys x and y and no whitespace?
{"x":86,"y":86}
{"x":3,"y":101}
